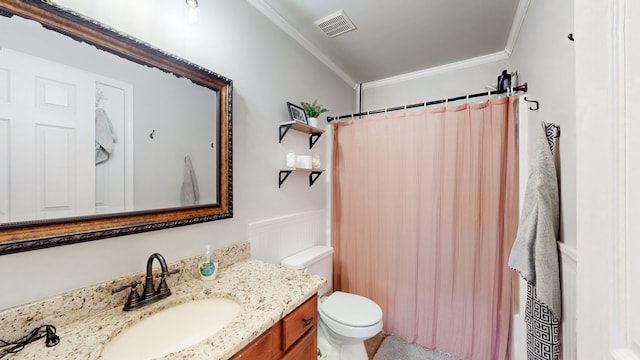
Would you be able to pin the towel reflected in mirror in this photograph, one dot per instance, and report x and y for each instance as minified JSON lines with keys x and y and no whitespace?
{"x":189,"y":193}
{"x":105,"y":136}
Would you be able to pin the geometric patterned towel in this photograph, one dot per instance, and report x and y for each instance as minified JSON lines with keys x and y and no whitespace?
{"x":543,"y":329}
{"x":552,"y":131}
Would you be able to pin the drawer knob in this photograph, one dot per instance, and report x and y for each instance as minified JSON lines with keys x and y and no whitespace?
{"x":307,"y":322}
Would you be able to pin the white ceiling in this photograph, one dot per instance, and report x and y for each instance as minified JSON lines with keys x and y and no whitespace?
{"x":395,"y":37}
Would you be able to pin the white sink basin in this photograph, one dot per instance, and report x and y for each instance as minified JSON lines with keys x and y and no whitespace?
{"x":172,"y":329}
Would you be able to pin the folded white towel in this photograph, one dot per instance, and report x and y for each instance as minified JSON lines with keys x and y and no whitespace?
{"x":535,"y":252}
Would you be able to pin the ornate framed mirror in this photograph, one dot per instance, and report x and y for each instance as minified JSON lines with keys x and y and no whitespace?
{"x":167,"y":157}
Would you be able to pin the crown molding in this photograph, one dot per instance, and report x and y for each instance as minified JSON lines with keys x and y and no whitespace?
{"x":514,"y":33}
{"x":498,"y":56}
{"x":279,"y":21}
{"x":518,"y":19}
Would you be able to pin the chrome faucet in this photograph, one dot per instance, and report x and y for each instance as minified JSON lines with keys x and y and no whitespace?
{"x":150,"y":294}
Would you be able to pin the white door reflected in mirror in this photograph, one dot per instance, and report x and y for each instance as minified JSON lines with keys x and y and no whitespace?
{"x":50,"y":161}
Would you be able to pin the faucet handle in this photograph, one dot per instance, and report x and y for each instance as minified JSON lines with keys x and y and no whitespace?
{"x":163,"y":289}
{"x":133,"y":287}
{"x":168,"y":273}
{"x":133,"y":298}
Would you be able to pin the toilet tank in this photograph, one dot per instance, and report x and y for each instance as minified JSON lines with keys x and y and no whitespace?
{"x":317,"y":260}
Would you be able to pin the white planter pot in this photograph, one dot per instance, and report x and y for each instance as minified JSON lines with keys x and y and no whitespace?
{"x":313,"y":121}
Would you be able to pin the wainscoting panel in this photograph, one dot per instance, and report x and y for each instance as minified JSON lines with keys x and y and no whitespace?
{"x":274,"y":239}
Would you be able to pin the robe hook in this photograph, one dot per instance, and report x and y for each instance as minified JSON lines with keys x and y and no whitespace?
{"x":152,"y":134}
{"x":533,"y":101}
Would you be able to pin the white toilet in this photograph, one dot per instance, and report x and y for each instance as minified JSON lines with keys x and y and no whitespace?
{"x":346,"y":320}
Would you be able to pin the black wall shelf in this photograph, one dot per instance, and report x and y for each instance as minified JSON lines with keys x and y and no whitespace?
{"x":314,"y":132}
{"x":314,"y":174}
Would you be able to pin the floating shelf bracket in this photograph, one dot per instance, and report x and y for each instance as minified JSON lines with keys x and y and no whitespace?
{"x":313,"y":139}
{"x":314,"y":133}
{"x":281,"y":179}
{"x":283,"y":131}
{"x":284,"y":174}
{"x":313,"y":176}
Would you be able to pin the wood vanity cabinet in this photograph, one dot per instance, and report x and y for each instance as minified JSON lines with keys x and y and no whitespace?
{"x":295,"y":337}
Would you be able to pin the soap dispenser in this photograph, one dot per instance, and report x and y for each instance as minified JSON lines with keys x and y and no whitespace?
{"x":207,"y":266}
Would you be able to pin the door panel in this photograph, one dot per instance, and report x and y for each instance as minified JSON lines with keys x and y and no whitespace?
{"x":50,"y":108}
{"x":114,"y":182}
{"x":608,"y":173}
{"x":54,"y":94}
{"x":55,"y":164}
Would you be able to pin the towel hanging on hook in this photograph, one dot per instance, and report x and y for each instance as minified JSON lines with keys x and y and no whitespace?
{"x":553,"y":132}
{"x":537,"y":104}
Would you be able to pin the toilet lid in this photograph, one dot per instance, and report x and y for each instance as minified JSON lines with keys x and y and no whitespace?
{"x":351,"y":309}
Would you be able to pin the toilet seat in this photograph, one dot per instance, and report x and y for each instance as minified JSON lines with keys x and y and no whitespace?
{"x":351,"y":315}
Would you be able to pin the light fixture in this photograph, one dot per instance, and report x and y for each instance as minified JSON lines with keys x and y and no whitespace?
{"x":192,"y":3}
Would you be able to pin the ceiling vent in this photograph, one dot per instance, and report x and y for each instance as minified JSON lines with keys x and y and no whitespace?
{"x":335,"y":24}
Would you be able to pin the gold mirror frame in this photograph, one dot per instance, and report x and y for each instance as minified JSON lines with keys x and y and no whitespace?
{"x":32,"y":235}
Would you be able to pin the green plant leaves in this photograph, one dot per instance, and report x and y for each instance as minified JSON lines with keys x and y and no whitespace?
{"x":313,"y":109}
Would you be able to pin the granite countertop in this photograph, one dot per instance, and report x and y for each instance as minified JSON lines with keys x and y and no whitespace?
{"x":267,"y":292}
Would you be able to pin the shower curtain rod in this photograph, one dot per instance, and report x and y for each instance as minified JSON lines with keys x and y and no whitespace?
{"x":522,"y":88}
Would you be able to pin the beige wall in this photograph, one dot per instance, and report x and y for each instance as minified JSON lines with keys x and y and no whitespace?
{"x":447,"y":82}
{"x":544,"y":57}
{"x":268,"y":68}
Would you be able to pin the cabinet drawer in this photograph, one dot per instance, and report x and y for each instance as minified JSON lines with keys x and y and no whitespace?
{"x":260,"y":348}
{"x":298,"y":322}
{"x":305,"y":349}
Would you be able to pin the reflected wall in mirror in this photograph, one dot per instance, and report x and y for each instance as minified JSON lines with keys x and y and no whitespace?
{"x":102,"y":135}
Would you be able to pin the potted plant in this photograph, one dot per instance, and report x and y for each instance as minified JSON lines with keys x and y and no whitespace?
{"x":313,"y":110}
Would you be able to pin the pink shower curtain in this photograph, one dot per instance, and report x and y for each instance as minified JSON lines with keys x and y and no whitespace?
{"x":424,"y":215}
